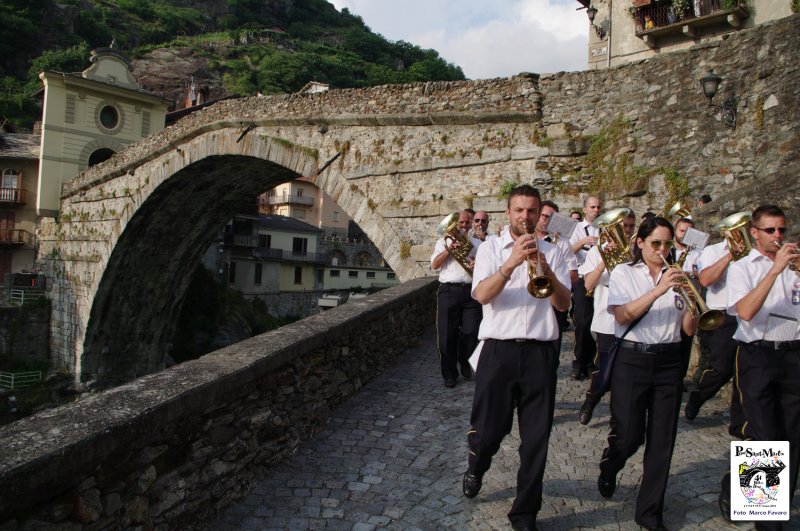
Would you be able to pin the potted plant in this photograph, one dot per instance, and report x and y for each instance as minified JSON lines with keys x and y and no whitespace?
{"x":678,"y":9}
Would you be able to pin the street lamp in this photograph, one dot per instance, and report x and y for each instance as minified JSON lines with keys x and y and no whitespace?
{"x":591,"y":12}
{"x":710,"y":84}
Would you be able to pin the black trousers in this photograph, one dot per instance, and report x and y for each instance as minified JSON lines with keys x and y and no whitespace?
{"x":769,"y":382}
{"x":645,"y":406}
{"x":458,"y":317}
{"x":595,"y":393}
{"x":722,"y":350}
{"x":509,"y":375}
{"x":583,"y":312}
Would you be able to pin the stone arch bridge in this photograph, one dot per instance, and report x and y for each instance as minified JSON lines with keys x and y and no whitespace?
{"x":397,"y":159}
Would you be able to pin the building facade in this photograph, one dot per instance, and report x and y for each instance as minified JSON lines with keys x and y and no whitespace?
{"x":19,"y":168}
{"x":303,"y":200}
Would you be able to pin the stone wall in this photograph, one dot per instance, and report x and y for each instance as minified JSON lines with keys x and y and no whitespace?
{"x":173,"y":448}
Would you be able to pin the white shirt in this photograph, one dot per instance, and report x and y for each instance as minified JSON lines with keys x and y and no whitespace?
{"x":514,"y":313}
{"x":603,"y":321}
{"x":451,"y":271}
{"x":743,"y":276}
{"x":566,"y":248}
{"x":716,"y":293}
{"x":662,"y":323}
{"x":583,"y":229}
{"x":690,"y":261}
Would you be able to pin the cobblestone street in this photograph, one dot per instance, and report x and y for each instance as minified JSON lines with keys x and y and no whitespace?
{"x":393,"y":457}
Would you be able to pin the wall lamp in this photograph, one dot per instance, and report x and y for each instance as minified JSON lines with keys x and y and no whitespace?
{"x":710,"y":83}
{"x":591,"y":12}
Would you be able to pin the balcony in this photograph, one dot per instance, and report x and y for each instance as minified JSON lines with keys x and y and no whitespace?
{"x":15,"y":196}
{"x":239,"y":240}
{"x":287,"y":199}
{"x":290,"y":256}
{"x":658,"y":19}
{"x":15,"y":237}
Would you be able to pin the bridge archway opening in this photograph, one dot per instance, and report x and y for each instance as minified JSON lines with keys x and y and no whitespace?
{"x":139,"y":297}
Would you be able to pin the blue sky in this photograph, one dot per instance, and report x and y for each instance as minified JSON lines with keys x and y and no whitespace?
{"x":486,"y":38}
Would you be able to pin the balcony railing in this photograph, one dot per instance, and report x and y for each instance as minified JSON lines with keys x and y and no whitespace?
{"x":12,"y":195}
{"x":15,"y":237}
{"x":290,"y":256}
{"x":291,"y":199}
{"x":659,"y":18}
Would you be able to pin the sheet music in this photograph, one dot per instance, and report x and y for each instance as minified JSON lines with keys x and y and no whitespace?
{"x":780,"y":328}
{"x":561,"y":224}
{"x":473,"y":360}
{"x":695,"y":238}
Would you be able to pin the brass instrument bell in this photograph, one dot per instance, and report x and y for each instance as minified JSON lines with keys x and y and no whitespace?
{"x":679,"y":210}
{"x":612,"y":230}
{"x":709,"y":319}
{"x":449,"y":229}
{"x":539,"y":285}
{"x":734,"y":229}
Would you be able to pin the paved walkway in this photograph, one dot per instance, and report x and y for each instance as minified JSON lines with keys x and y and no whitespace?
{"x":393,"y":456}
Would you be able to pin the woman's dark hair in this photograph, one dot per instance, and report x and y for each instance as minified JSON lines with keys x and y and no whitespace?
{"x":646,"y":228}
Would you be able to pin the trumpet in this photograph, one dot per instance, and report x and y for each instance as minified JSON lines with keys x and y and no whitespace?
{"x":539,"y":285}
{"x":709,"y":319}
{"x":448,"y":228}
{"x":794,"y":263}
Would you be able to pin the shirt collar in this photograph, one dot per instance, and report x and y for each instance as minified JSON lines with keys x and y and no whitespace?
{"x":505,"y":236}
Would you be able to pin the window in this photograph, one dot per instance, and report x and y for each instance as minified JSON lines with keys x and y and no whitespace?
{"x":109,"y":117}
{"x":335,"y":215}
{"x":10,"y":178}
{"x":265,"y":241}
{"x":100,"y":155}
{"x":335,"y":273}
{"x":299,"y":192}
{"x":370,"y":274}
{"x":232,"y":272}
{"x":257,"y":274}
{"x":390,"y":276}
{"x":300,"y":246}
{"x":298,"y":275}
{"x":352,"y":274}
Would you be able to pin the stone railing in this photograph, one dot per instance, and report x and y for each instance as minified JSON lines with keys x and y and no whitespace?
{"x":175,"y":447}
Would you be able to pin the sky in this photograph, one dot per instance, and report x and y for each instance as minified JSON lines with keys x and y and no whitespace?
{"x":486,"y":38}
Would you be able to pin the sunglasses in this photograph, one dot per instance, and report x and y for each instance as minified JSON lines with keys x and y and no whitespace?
{"x":771,"y":230}
{"x":480,"y":220}
{"x":657,"y":244}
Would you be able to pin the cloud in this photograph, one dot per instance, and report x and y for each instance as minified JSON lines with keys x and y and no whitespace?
{"x":486,"y":39}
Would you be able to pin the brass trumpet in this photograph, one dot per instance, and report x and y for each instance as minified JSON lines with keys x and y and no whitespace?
{"x":539,"y":285}
{"x":734,"y":229}
{"x":449,"y":228}
{"x":709,"y":319}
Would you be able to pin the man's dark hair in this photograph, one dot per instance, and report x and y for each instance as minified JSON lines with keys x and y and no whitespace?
{"x":631,"y":214}
{"x":648,"y":215}
{"x":524,"y":190}
{"x":471,"y":211}
{"x":705,"y":198}
{"x":690,"y":221}
{"x":766,"y":210}
{"x":549,"y":203}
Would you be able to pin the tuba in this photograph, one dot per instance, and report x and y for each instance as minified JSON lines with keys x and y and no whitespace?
{"x":734,"y":229}
{"x":539,"y":285}
{"x":612,"y":231}
{"x":709,"y":319}
{"x":448,"y":228}
{"x":679,"y":210}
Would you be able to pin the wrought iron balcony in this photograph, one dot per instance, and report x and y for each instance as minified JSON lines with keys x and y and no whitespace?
{"x":290,"y":256}
{"x":291,"y":199}
{"x":658,"y":18}
{"x":12,"y":195}
{"x":15,"y":237}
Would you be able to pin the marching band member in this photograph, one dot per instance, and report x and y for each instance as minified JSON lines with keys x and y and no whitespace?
{"x":595,"y":276}
{"x":517,"y":363}
{"x":764,"y":294}
{"x":646,"y":381}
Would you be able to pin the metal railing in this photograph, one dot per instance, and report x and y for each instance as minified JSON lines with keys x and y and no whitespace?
{"x":663,"y":14}
{"x":13,"y":195}
{"x":21,"y":297}
{"x":282,"y":254}
{"x":15,"y":237}
{"x":288,"y":198}
{"x":15,"y":380}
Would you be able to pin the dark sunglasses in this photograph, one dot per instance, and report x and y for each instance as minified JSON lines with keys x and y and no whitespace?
{"x":480,"y":220}
{"x":771,"y":230}
{"x":657,"y":244}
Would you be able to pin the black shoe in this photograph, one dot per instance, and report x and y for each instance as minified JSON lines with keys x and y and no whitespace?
{"x":578,"y":374}
{"x":736,"y":431}
{"x":587,"y":409}
{"x":692,"y":409}
{"x":606,"y":487}
{"x":450,"y":382}
{"x":466,"y":371}
{"x":472,"y":484}
{"x":724,"y":499}
{"x":654,"y":527}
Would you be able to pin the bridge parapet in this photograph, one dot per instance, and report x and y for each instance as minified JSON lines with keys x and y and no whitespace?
{"x":174,"y":447}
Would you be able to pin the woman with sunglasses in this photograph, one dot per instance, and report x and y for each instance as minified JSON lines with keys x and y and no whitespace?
{"x":646,"y":382}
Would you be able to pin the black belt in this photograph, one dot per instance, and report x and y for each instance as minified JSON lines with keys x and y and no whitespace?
{"x":521,"y":340}
{"x":778,"y":345}
{"x":657,"y":348}
{"x":462,"y":284}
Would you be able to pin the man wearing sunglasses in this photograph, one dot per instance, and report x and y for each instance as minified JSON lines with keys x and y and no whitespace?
{"x":760,"y":294}
{"x":480,"y":224}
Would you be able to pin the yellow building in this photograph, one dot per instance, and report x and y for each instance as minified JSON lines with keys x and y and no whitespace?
{"x":303,"y":200}
{"x":88,"y":117}
{"x":19,"y":168}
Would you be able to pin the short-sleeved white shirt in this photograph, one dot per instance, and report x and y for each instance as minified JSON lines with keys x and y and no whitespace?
{"x":583,"y":229}
{"x":743,"y":276}
{"x":690,"y":261}
{"x":451,"y":271}
{"x":603,"y":321}
{"x":514,"y":313}
{"x":565,"y":247}
{"x":716,"y":293}
{"x":662,"y":323}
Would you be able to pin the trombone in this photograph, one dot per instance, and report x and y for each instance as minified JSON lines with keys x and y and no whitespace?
{"x":539,"y":285}
{"x":709,"y":319}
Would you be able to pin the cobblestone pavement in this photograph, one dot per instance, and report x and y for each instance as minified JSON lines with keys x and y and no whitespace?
{"x":393,"y":456}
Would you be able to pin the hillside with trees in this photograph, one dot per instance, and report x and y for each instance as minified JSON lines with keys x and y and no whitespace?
{"x":239,"y":47}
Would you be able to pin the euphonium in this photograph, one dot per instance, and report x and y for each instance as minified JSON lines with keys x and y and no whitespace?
{"x":709,"y":319}
{"x":613,"y":231}
{"x":449,"y":229}
{"x":679,"y":210}
{"x":734,"y":229}
{"x":539,"y":285}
